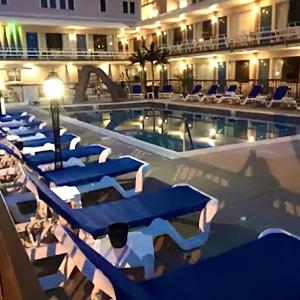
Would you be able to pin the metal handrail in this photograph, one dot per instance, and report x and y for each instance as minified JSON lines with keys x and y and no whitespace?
{"x":252,"y":39}
{"x":48,"y":54}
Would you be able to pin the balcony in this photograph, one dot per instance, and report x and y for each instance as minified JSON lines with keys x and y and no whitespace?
{"x":283,"y":37}
{"x":61,"y":55}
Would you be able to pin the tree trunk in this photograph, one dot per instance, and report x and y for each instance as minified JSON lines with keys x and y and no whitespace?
{"x":153,"y":78}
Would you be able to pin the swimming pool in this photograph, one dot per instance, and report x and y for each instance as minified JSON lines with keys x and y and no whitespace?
{"x":181,"y":131}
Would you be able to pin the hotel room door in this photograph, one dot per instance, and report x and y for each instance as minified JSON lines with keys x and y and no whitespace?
{"x":32,"y":44}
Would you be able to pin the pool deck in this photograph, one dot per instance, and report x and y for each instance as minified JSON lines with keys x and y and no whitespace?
{"x":258,"y":187}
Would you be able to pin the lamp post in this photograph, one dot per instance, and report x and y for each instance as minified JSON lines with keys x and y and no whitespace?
{"x":2,"y":103}
{"x":53,"y":87}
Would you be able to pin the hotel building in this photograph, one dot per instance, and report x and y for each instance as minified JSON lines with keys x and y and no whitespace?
{"x":220,"y":40}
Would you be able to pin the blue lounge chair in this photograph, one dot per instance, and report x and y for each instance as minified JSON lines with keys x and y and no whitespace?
{"x":195,"y":95}
{"x":34,"y":124}
{"x":13,"y":114}
{"x":31,"y":134}
{"x":211,"y":93}
{"x":136,"y":91}
{"x":280,"y":97}
{"x":21,"y":118}
{"x":69,"y":183}
{"x":48,"y":157}
{"x":254,"y":93}
{"x":166,"y":91}
{"x":267,"y":268}
{"x":140,"y":210}
{"x":229,"y":93}
{"x":44,"y":144}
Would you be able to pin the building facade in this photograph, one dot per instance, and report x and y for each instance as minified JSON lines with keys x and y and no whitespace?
{"x":231,"y":40}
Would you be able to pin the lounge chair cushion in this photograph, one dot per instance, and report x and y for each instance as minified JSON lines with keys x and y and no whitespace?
{"x":255,"y":91}
{"x":34,"y":123}
{"x":213,"y":90}
{"x":136,"y":89}
{"x":92,"y":172}
{"x":268,"y":268}
{"x":64,"y":139}
{"x":136,"y":211}
{"x":15,"y":118}
{"x":167,"y":88}
{"x":280,"y":92}
{"x":47,"y":157}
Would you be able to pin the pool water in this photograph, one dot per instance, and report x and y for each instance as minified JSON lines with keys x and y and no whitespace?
{"x":183,"y":131}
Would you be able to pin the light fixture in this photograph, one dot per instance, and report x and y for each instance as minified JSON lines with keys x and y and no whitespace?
{"x":214,"y":20}
{"x":251,"y":139}
{"x":160,"y":121}
{"x":212,"y":133}
{"x":182,"y":27}
{"x":256,"y":9}
{"x":141,"y":118}
{"x":54,"y":88}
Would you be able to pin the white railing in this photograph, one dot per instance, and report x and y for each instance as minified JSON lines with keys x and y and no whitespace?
{"x":57,"y":54}
{"x":252,"y":39}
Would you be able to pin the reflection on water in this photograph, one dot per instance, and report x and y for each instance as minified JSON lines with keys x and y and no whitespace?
{"x":180,"y":131}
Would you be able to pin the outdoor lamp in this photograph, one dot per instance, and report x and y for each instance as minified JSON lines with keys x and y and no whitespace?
{"x":2,"y":103}
{"x":53,"y":87}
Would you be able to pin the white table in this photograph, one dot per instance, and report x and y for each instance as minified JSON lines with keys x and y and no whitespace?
{"x":139,"y":251}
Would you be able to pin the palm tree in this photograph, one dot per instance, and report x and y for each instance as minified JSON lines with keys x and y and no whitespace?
{"x":140,"y":57}
{"x":153,"y":55}
{"x":163,"y":60}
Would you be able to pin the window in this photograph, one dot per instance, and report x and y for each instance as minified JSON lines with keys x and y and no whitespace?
{"x":125,"y":7}
{"x":71,"y":4}
{"x":3,"y":2}
{"x":102,"y":5}
{"x":62,"y":4}
{"x":14,"y":74}
{"x":52,"y":3}
{"x":54,"y":41}
{"x":44,"y":3}
{"x":132,"y":7}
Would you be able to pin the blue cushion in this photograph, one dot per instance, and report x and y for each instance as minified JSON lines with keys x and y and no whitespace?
{"x":255,"y":91}
{"x":64,"y":139}
{"x":47,"y":157}
{"x":12,"y":114}
{"x":136,"y":89}
{"x":232,"y":88}
{"x":167,"y":88}
{"x":92,"y":172}
{"x":268,"y":268}
{"x":213,"y":90}
{"x":197,"y":89}
{"x":136,"y":211}
{"x":15,"y":118}
{"x":280,"y":92}
{"x":34,"y":123}
{"x":30,"y":132}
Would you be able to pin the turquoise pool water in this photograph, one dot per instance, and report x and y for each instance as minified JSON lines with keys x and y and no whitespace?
{"x":184,"y":131}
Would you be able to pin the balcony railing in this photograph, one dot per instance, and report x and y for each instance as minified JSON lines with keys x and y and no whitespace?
{"x":57,"y":54}
{"x":262,"y":38}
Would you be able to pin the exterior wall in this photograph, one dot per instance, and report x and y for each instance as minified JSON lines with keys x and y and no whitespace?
{"x":84,"y":11}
